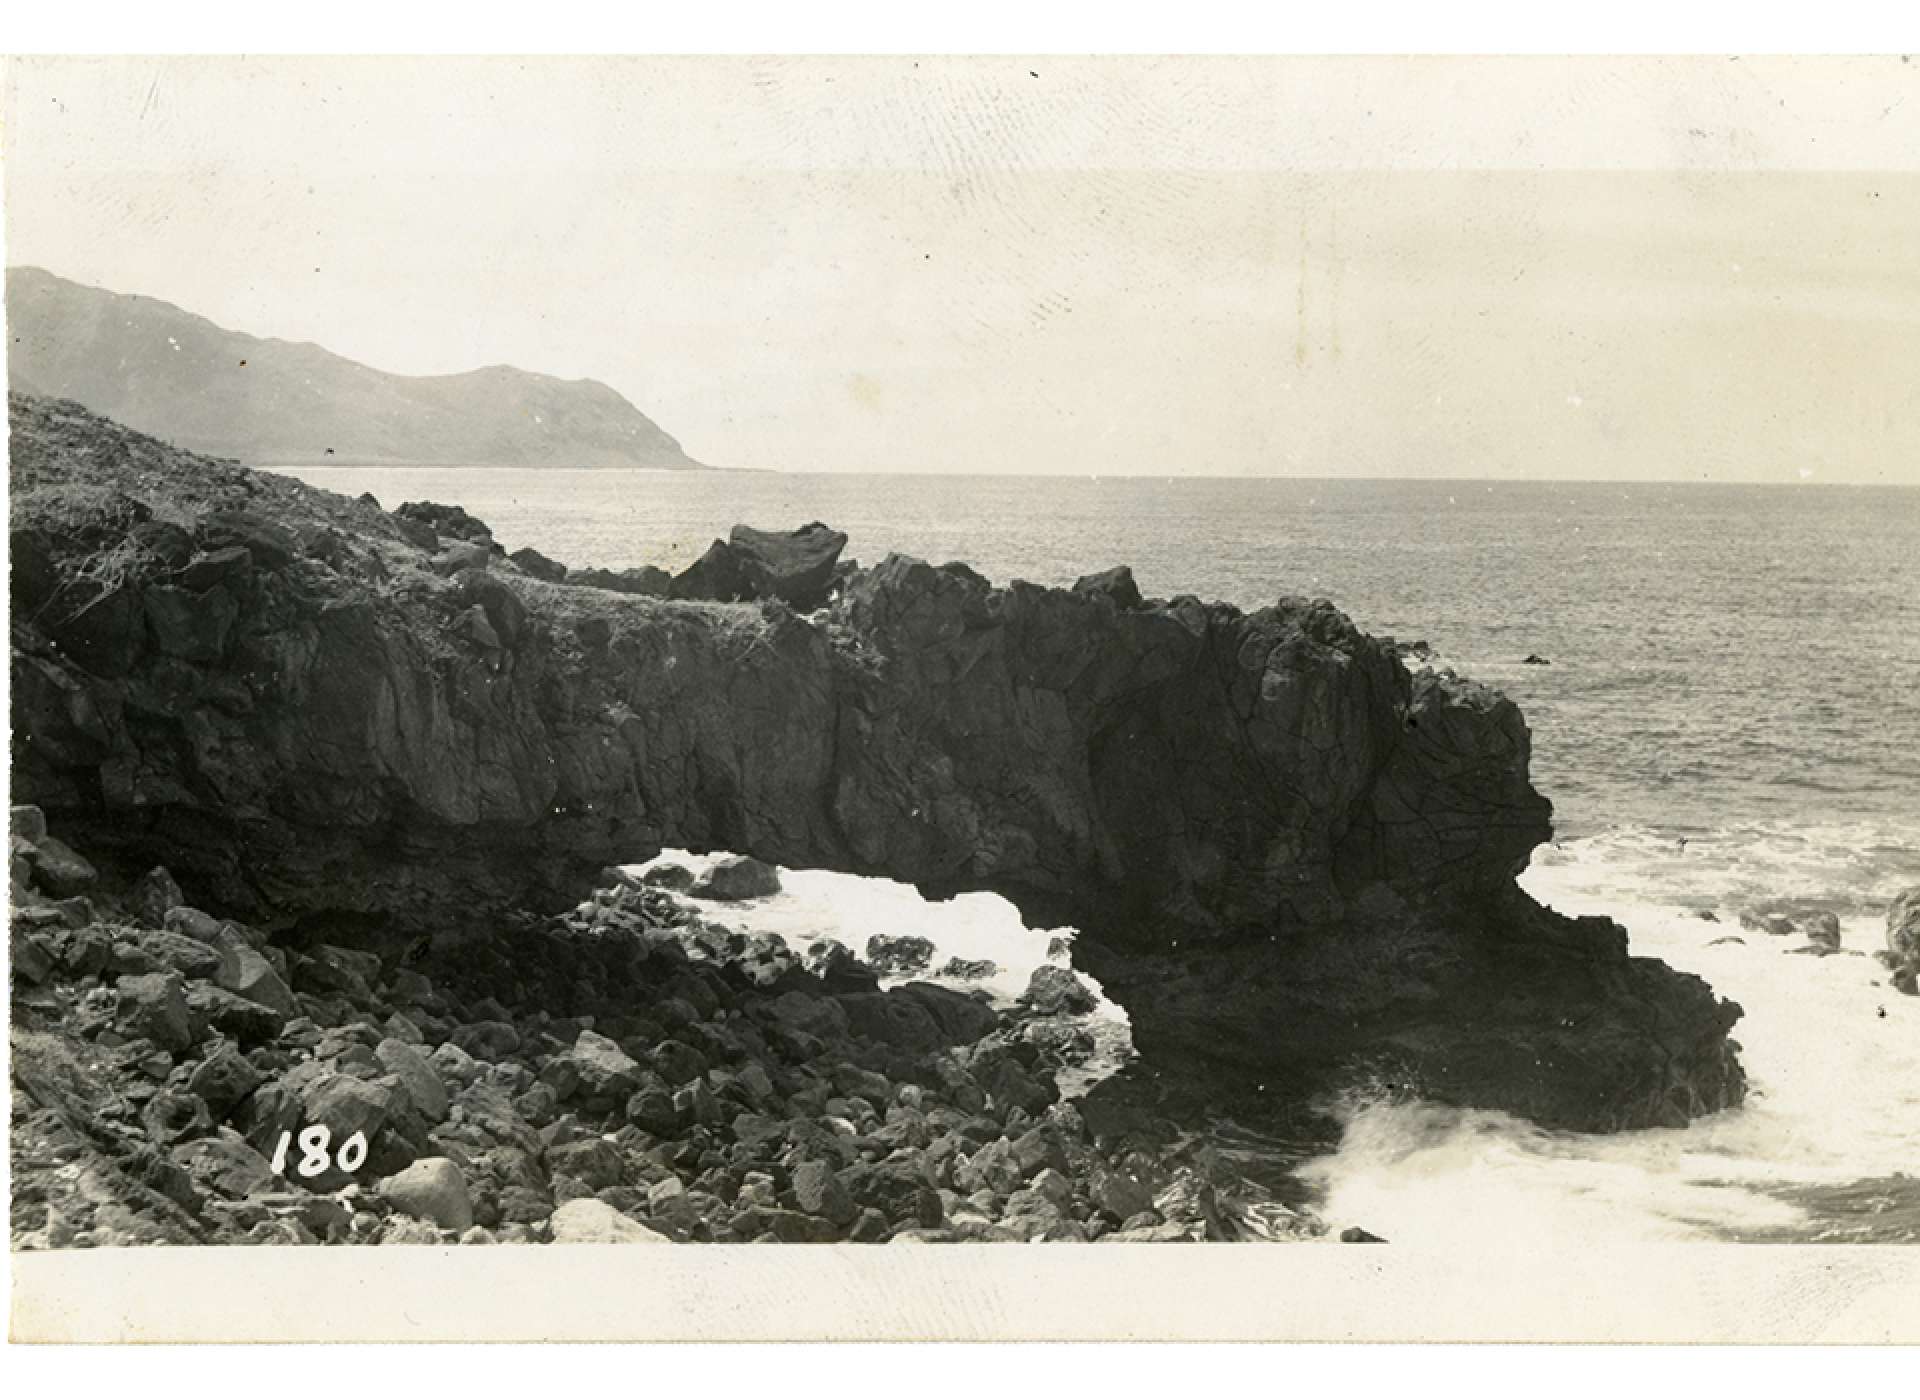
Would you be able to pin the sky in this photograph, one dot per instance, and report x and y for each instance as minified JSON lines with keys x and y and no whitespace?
{"x":1539,"y":269}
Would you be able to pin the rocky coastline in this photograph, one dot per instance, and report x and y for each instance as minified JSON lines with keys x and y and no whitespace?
{"x":629,"y":1071}
{"x":371,"y":753}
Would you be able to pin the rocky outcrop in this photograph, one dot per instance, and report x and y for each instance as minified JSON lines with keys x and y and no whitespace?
{"x":795,"y":568}
{"x":1289,"y":857}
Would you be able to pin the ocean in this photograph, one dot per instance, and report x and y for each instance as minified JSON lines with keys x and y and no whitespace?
{"x":1729,"y":718}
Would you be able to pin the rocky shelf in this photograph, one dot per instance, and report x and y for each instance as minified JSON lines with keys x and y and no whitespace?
{"x":1290,"y":859}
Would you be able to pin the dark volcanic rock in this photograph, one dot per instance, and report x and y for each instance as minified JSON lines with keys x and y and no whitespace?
{"x":1288,"y":856}
{"x":1116,"y":583}
{"x":738,"y":877}
{"x":1054,"y":990}
{"x":534,"y":564}
{"x":796,"y":567}
{"x":897,"y":954}
{"x":647,"y":581}
{"x":1903,"y":940}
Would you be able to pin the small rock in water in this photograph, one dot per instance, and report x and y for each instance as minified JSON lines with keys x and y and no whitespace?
{"x":738,"y":877}
{"x":1903,"y":939}
{"x":970,"y":969}
{"x":1353,"y":1234}
{"x":1534,"y":658}
{"x":668,"y":876}
{"x":894,"y":956}
{"x":1730,"y":938}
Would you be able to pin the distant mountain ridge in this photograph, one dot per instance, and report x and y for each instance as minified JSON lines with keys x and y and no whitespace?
{"x":174,"y":375}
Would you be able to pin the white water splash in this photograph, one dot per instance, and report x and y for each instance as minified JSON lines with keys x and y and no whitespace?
{"x":1832,"y":1055}
{"x":816,"y":904}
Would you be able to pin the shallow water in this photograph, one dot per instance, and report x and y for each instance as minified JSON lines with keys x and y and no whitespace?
{"x":850,"y":909}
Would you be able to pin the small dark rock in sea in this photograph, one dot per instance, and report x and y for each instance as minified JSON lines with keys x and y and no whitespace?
{"x":1730,"y":938}
{"x":738,"y":877}
{"x":1534,"y":658}
{"x":1353,"y":1234}
{"x":895,"y":956}
{"x":1903,"y":939}
{"x":668,"y":876}
{"x":1820,"y":926}
{"x":1706,"y":914}
{"x":969,"y":969}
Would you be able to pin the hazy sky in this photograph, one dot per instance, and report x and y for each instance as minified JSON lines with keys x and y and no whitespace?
{"x":1651,"y":269}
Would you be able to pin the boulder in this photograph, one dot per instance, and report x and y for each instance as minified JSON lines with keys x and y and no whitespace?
{"x":534,"y":564}
{"x":837,"y":968}
{"x":1055,"y":991}
{"x":31,"y":956}
{"x":1116,"y":583}
{"x":160,"y":948}
{"x":919,"y":1016}
{"x":796,"y":566}
{"x":969,"y":969}
{"x":248,"y":974}
{"x":432,"y":1189}
{"x":59,"y":869}
{"x":820,"y":1193}
{"x":223,"y":1079}
{"x":593,"y":1161}
{"x":738,"y":877}
{"x":272,"y":544}
{"x":154,"y":1005}
{"x":601,"y":1067}
{"x":153,"y":894}
{"x":453,"y":522}
{"x":235,"y":1017}
{"x":226,"y":1165}
{"x":346,"y":1105}
{"x":425,"y":1088}
{"x":589,"y":1221}
{"x":668,"y":876}
{"x":899,"y":955}
{"x":229,"y":564}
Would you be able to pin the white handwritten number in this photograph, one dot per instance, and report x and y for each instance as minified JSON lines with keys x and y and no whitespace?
{"x":314,"y":1160}
{"x":354,"y":1147}
{"x":313,"y":1149}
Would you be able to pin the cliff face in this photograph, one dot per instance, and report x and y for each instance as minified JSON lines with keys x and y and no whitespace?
{"x":1288,"y":856}
{"x":165,"y":371}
